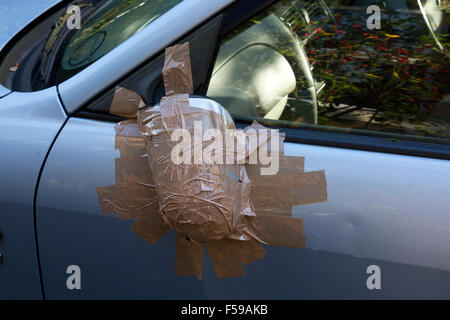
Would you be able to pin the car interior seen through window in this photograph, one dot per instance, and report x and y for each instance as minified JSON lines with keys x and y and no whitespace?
{"x":318,"y":64}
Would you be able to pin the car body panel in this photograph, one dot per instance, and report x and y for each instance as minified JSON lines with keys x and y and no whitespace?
{"x":4,"y":91}
{"x":136,"y":50}
{"x":29,"y":123}
{"x":382,"y":209}
{"x":388,"y":210}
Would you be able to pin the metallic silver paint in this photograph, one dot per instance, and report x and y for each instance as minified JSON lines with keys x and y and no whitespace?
{"x":383,"y":209}
{"x":387,"y":209}
{"x":383,"y":206}
{"x":29,"y":122}
{"x":3,"y":91}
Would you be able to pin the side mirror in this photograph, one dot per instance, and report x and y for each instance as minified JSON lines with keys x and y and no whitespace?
{"x":208,"y":104}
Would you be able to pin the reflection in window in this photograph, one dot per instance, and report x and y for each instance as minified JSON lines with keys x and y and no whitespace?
{"x":105,"y":25}
{"x":394,"y":80}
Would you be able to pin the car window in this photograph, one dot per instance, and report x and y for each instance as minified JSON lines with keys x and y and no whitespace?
{"x":55,"y":47}
{"x":113,"y":22}
{"x":110,"y":24}
{"x":326,"y":65}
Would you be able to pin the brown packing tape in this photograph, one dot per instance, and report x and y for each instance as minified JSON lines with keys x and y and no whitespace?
{"x":263,"y":137}
{"x":210,"y":205}
{"x":129,"y":140}
{"x":288,"y":190}
{"x":199,"y":201}
{"x":312,"y":190}
{"x":291,"y":165}
{"x":131,"y":147}
{"x":150,"y":226}
{"x":127,"y":129}
{"x":126,"y":199}
{"x":279,"y":231}
{"x":225,"y":260}
{"x":227,"y":256}
{"x":125,"y":103}
{"x":188,"y":258}
{"x":133,"y":196}
{"x":289,"y":187}
{"x":177,"y":71}
{"x":173,"y":112}
{"x":249,"y":251}
{"x":129,"y":170}
{"x":287,"y":165}
{"x":105,"y":197}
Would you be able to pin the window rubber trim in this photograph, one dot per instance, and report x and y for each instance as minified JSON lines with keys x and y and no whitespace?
{"x":357,"y":141}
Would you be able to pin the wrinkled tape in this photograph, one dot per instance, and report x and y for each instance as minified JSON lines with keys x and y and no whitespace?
{"x":125,"y":103}
{"x":204,"y":203}
{"x":177,"y":71}
{"x":134,"y":197}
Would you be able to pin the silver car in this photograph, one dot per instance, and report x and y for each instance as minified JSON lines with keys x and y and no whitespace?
{"x":361,"y":91}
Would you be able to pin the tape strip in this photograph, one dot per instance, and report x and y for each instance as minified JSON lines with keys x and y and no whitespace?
{"x":225,"y":260}
{"x":279,"y":231}
{"x":230,"y":208}
{"x":177,"y":71}
{"x":188,"y":258}
{"x":125,"y":103}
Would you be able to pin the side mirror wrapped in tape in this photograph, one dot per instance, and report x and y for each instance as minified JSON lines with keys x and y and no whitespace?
{"x":183,"y":165}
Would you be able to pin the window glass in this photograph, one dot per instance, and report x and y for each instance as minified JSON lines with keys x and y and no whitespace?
{"x":317,"y":63}
{"x":104,"y":26}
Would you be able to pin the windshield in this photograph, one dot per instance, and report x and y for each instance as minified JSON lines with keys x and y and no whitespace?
{"x":104,"y":26}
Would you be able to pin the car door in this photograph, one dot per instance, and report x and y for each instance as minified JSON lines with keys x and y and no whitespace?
{"x":382,"y":229}
{"x":29,"y":123}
